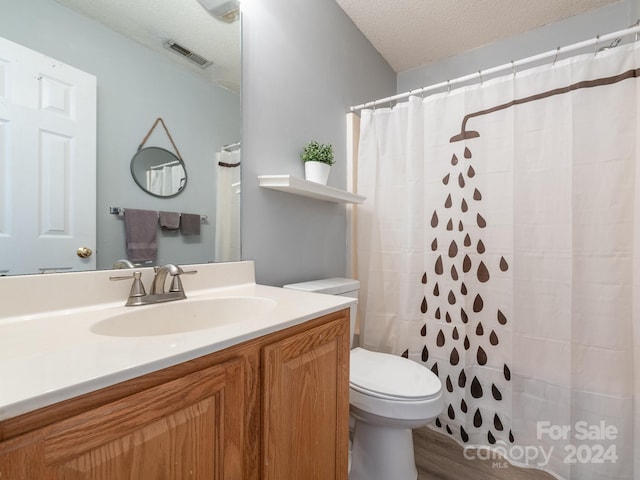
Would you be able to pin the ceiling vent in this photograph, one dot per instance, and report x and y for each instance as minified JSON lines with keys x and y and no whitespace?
{"x":188,"y":54}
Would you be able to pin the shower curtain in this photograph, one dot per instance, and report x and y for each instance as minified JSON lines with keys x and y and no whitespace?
{"x":499,"y":246}
{"x":227,"y":236}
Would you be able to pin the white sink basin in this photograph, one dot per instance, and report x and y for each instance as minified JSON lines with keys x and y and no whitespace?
{"x":183,"y":316}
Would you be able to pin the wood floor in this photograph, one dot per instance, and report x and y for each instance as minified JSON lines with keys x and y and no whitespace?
{"x":440,"y":458}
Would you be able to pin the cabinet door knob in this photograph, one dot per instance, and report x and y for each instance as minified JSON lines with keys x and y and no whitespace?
{"x":84,"y":252}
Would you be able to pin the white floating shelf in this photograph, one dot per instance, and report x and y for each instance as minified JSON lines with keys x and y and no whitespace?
{"x":305,"y":188}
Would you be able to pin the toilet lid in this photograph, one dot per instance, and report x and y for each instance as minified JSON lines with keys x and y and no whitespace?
{"x":385,"y":375}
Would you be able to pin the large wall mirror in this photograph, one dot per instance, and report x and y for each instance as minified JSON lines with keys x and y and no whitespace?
{"x":150,"y":59}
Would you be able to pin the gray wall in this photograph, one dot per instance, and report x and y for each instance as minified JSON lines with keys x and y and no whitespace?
{"x":135,"y":86}
{"x":601,"y":21}
{"x":304,"y":64}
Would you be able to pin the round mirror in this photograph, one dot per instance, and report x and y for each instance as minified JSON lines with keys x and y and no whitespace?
{"x":158,"y":172}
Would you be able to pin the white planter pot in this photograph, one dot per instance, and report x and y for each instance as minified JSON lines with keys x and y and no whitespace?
{"x":317,"y":172}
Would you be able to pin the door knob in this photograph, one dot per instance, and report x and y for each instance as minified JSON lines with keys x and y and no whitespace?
{"x":84,"y":252}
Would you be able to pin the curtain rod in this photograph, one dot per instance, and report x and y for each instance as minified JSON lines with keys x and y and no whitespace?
{"x":507,"y":66}
{"x":231,"y":147}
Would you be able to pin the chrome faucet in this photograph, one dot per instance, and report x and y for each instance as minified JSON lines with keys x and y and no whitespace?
{"x":122,"y":263}
{"x":138,"y":295}
{"x":157,"y":286}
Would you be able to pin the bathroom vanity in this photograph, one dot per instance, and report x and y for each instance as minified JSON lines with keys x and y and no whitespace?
{"x":263,"y":399}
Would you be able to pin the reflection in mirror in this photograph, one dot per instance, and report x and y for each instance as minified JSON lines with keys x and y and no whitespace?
{"x":158,"y":172}
{"x":122,"y":44}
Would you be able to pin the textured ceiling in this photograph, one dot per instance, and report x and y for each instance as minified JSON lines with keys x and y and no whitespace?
{"x":153,"y":22}
{"x":407,"y":33}
{"x":412,"y":33}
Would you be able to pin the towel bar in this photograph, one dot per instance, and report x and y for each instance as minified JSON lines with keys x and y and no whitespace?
{"x":120,"y":211}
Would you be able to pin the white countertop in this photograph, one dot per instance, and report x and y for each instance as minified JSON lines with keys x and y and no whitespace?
{"x":50,"y":356}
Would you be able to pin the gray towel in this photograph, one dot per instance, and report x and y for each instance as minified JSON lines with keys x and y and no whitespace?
{"x":141,"y":227}
{"x":189,"y":224}
{"x":169,"y":220}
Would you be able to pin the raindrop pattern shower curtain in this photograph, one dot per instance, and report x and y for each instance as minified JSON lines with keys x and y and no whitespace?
{"x":499,"y":246}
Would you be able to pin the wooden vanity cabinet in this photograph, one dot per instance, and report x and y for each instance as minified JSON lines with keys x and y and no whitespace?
{"x":186,"y":428}
{"x":306,"y":405}
{"x":272,"y":408}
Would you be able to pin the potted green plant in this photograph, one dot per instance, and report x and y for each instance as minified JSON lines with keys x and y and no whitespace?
{"x":317,"y":158}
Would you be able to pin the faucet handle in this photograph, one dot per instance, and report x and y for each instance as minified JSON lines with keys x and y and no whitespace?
{"x":176,"y":283}
{"x":179,"y":271}
{"x":137,"y":288}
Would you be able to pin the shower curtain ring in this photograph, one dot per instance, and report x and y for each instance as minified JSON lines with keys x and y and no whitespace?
{"x":555,"y":59}
{"x":448,"y":86}
{"x":480,"y":75}
{"x":513,"y":68}
{"x":597,"y":43}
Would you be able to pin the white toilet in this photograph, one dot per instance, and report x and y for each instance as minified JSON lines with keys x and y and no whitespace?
{"x":389,"y":396}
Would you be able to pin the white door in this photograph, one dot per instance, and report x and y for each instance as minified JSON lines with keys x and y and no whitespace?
{"x":47,"y":163}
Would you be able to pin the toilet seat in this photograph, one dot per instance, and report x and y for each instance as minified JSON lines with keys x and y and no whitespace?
{"x":391,"y":390}
{"x":385,"y":376}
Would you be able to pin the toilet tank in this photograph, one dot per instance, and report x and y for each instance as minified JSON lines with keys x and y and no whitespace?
{"x":345,"y":287}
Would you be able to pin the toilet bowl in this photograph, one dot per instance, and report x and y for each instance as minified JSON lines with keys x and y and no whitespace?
{"x":388,"y":395}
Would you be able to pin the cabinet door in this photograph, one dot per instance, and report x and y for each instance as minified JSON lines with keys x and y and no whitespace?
{"x":306,"y":404}
{"x":190,"y":428}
